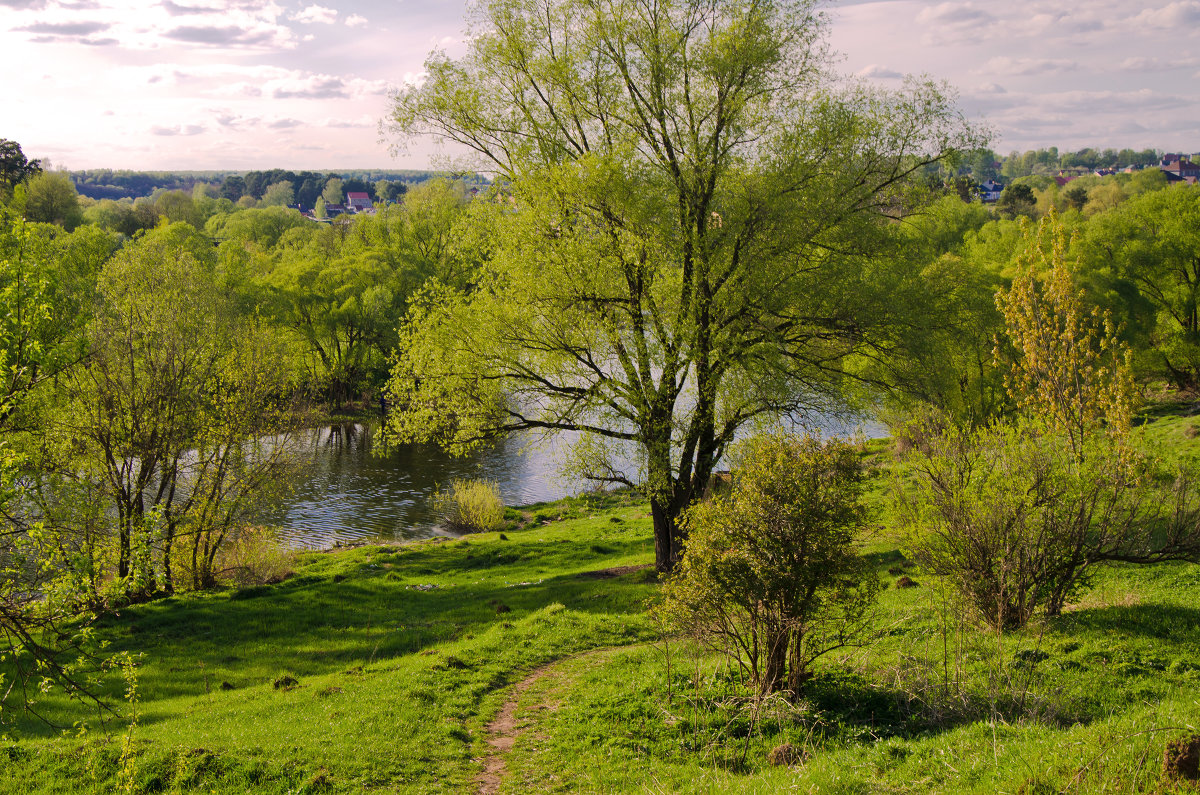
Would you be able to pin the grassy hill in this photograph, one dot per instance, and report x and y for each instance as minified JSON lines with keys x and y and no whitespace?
{"x":533,"y":655}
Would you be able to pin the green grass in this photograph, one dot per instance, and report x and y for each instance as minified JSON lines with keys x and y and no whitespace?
{"x":1085,"y":703}
{"x":402,"y":655}
{"x":396,"y":678}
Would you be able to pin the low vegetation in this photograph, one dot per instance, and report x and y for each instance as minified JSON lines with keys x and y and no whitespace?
{"x":470,"y":506}
{"x":380,"y":668}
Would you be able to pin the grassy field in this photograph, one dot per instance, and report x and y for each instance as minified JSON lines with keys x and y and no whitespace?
{"x":380,"y":668}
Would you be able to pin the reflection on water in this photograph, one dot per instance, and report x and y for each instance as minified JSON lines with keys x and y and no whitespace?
{"x":350,"y":494}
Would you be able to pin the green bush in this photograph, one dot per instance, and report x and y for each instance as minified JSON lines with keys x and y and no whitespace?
{"x":771,"y":575}
{"x":470,"y":506}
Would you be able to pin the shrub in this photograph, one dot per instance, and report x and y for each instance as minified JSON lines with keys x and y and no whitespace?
{"x":771,"y":575}
{"x":1018,"y":516}
{"x":470,"y":506}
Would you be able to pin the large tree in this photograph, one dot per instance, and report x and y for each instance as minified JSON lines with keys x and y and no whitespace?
{"x":15,"y":168}
{"x":690,"y":237}
{"x":1152,"y":242}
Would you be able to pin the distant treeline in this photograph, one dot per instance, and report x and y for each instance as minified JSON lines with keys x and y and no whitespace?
{"x":104,"y":183}
{"x":985,"y":164}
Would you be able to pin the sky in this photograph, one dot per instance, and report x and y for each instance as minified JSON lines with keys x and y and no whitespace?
{"x":259,"y":84}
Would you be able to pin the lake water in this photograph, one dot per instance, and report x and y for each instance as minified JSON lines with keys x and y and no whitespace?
{"x":349,"y":493}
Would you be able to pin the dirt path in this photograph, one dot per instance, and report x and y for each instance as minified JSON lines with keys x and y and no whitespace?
{"x":503,"y":732}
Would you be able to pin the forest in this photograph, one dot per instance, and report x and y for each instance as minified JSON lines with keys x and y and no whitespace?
{"x":689,"y":249}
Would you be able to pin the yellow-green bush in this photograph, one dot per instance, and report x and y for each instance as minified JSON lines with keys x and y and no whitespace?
{"x":470,"y":506}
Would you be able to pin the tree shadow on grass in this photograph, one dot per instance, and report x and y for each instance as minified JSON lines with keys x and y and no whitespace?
{"x":1176,"y":623}
{"x":322,"y":626}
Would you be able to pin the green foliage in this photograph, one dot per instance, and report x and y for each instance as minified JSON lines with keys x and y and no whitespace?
{"x":15,"y":168}
{"x":470,"y":506}
{"x":1017,"y":200}
{"x":662,"y":285}
{"x":1069,"y":368}
{"x":1017,"y":514}
{"x":772,"y":576}
{"x":333,"y":193}
{"x":1151,"y":245}
{"x":180,"y":420}
{"x":50,"y":198}
{"x":279,"y":194}
{"x":915,"y":710}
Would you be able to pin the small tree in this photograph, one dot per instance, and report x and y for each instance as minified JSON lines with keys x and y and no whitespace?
{"x":1070,"y":371}
{"x":771,"y":575}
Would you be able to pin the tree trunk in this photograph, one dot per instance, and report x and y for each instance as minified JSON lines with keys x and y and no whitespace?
{"x":663,"y":509}
{"x":776,"y":662}
{"x":797,"y":672}
{"x":664,"y":535}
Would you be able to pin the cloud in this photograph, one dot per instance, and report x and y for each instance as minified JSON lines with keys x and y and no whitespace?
{"x":1142,"y":64}
{"x":1184,"y":14}
{"x":240,"y":89}
{"x":879,"y":72}
{"x":316,"y":15}
{"x":227,"y":36}
{"x":953,"y":14}
{"x":991,"y":88}
{"x":1122,"y":102}
{"x":344,"y":124}
{"x":284,"y":124}
{"x":1004,"y":65}
{"x":355,"y":21}
{"x":313,"y":87}
{"x":954,"y":23}
{"x":181,"y":129}
{"x":321,"y":86}
{"x":177,"y":10}
{"x":65,"y":28}
{"x":224,"y":117}
{"x":1059,"y":23}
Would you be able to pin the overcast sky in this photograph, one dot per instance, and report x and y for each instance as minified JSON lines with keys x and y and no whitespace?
{"x":241,"y":84}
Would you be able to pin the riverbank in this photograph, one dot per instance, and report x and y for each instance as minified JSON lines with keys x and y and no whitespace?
{"x":532,"y":653}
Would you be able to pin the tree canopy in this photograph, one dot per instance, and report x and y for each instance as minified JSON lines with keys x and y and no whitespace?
{"x":692,"y":238}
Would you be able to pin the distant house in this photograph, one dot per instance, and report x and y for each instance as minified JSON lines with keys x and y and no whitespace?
{"x":990,"y":191}
{"x":1180,"y":168}
{"x":358,"y":202}
{"x":1062,"y":179}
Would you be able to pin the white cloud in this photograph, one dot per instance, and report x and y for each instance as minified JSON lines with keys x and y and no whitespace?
{"x":1183,"y":14}
{"x":1004,"y":65}
{"x":953,"y":14}
{"x":301,"y":85}
{"x":1144,"y":64}
{"x":355,"y":21}
{"x":178,"y":129}
{"x":362,"y":122}
{"x":879,"y":72}
{"x":316,"y":15}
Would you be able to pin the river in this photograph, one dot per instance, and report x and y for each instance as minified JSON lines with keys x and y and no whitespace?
{"x":348,"y":493}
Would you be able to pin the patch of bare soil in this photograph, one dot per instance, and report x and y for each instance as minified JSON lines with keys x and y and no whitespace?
{"x":615,"y":571}
{"x":502,"y":733}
